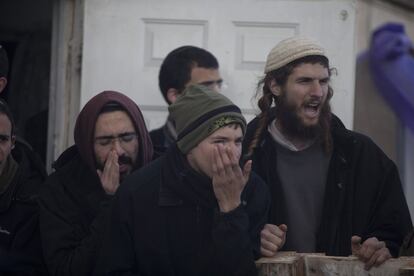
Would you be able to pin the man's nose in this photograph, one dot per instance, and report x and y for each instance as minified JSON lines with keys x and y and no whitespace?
{"x":116,"y":145}
{"x":317,"y":89}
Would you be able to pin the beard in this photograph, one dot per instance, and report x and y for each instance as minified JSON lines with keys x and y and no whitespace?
{"x":293,"y":125}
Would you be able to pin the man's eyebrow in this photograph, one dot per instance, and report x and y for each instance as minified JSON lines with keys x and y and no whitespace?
{"x":226,"y":137}
{"x":219,"y":137}
{"x":211,"y":82}
{"x":305,"y":78}
{"x":114,"y":136}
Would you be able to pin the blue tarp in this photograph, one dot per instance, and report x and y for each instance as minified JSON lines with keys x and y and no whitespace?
{"x":391,"y":59}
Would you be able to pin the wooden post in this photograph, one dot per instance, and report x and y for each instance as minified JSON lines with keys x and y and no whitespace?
{"x":284,"y":263}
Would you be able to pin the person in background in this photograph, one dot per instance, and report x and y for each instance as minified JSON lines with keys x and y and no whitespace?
{"x":181,"y":67}
{"x":21,"y":176}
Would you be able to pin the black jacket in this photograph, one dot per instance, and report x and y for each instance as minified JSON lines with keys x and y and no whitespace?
{"x":20,"y":247}
{"x":72,"y":216}
{"x":161,"y":139}
{"x":165,"y":221}
{"x":363,"y":194}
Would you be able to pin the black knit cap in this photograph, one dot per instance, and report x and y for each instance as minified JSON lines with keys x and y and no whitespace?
{"x":198,"y":112}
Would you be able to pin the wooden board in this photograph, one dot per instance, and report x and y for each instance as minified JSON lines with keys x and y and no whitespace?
{"x":344,"y":266}
{"x":296,"y":264}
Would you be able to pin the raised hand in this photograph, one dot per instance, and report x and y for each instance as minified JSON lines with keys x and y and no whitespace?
{"x":110,"y":175}
{"x":228,"y":178}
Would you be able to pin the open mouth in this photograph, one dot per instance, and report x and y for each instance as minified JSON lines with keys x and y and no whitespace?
{"x":312,"y":108}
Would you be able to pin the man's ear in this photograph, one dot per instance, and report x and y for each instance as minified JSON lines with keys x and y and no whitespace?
{"x":275,"y":88}
{"x":3,"y":83}
{"x":13,"y":141}
{"x":172,"y":95}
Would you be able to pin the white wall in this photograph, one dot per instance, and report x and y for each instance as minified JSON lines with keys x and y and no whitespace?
{"x":125,"y":42}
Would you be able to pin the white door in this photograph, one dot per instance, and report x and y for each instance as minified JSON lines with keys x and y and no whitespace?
{"x":125,"y":41}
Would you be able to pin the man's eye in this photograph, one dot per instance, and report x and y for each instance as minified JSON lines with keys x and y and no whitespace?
{"x":104,"y":142}
{"x":127,"y":137}
{"x":3,"y":138}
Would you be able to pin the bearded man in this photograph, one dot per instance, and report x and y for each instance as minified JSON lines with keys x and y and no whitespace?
{"x":335,"y":190}
{"x":111,"y":141}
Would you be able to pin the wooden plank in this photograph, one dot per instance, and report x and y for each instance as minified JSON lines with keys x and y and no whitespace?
{"x":296,"y":264}
{"x":407,"y":271}
{"x":344,"y":266}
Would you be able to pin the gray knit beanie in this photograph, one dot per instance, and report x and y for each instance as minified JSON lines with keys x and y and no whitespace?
{"x":292,"y":49}
{"x":198,"y":112}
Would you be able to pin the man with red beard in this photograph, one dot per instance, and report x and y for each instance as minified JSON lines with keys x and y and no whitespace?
{"x":111,"y":141}
{"x":335,"y":190}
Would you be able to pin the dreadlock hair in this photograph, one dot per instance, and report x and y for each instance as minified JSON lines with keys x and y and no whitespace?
{"x":267,"y":99}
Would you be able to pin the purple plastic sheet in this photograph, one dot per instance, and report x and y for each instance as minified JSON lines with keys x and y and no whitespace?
{"x":392,"y":66}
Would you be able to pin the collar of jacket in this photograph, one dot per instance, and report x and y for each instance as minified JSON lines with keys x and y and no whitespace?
{"x":342,"y":137}
{"x":28,"y":169}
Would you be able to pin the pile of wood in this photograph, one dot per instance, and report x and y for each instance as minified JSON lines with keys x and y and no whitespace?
{"x":296,"y":264}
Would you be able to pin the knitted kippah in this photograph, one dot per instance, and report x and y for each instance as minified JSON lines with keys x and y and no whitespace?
{"x":292,"y":49}
{"x":198,"y":112}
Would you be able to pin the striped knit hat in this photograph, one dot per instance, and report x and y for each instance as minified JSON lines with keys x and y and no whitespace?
{"x":198,"y":112}
{"x":292,"y":49}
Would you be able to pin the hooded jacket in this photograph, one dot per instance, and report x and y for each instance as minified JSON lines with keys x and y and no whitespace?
{"x":73,"y":202}
{"x":20,"y":247}
{"x":363,"y":194}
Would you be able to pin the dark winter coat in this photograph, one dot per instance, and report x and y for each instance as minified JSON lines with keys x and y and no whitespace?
{"x":74,"y":203}
{"x":407,"y":248}
{"x":20,"y":247}
{"x":161,"y":139}
{"x":165,"y":221}
{"x":363,"y":193}
{"x":72,"y":216}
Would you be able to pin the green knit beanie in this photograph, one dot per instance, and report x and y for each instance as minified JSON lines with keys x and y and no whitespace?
{"x":198,"y":112}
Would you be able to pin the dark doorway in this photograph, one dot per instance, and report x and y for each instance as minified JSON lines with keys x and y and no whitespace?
{"x":25,"y":33}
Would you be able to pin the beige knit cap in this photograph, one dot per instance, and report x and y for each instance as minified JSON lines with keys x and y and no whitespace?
{"x":291,"y":49}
